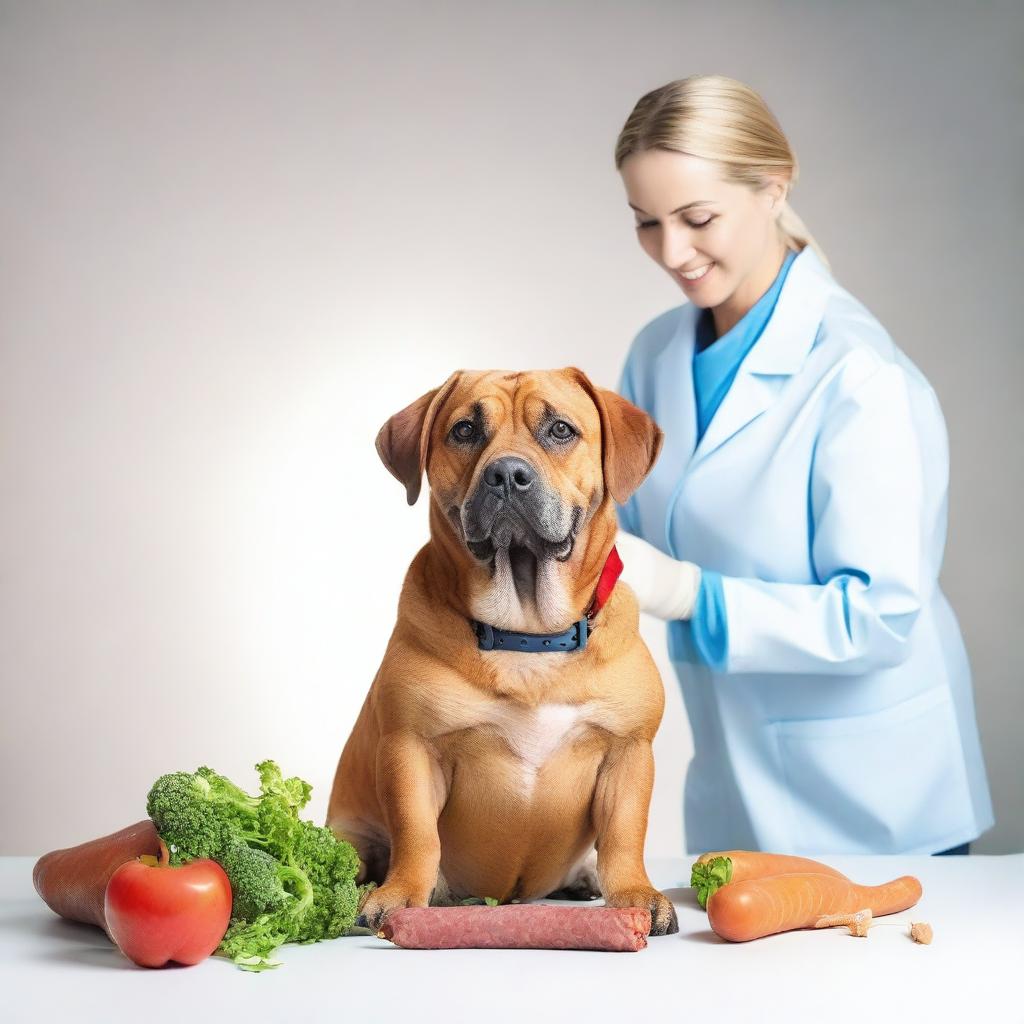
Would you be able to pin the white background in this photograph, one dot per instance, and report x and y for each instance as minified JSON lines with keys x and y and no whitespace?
{"x":236,"y":237}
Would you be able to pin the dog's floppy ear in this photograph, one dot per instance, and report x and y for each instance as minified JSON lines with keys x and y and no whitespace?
{"x":402,"y":441}
{"x":630,"y":440}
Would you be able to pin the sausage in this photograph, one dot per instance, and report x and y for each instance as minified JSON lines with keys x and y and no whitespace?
{"x":72,"y":882}
{"x":518,"y":926}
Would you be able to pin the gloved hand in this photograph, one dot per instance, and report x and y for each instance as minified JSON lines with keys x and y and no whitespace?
{"x":664,"y":586}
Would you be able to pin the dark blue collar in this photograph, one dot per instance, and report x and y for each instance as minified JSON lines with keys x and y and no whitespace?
{"x":491,"y":638}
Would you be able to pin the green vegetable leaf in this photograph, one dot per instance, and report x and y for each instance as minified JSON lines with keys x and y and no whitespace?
{"x":256,"y":963}
{"x":707,"y":878}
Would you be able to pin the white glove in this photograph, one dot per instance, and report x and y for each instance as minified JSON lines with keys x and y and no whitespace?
{"x":664,"y":586}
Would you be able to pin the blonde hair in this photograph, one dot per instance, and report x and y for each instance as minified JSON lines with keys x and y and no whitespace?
{"x":722,"y":120}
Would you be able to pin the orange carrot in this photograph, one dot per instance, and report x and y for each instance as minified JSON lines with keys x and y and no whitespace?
{"x":747,"y":910}
{"x":711,"y":871}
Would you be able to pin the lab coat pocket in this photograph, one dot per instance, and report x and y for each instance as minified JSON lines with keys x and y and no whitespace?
{"x":890,"y":781}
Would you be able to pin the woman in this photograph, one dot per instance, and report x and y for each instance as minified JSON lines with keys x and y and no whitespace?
{"x":792,"y":529}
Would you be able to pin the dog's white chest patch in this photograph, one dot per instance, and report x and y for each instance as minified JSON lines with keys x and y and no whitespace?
{"x":534,"y":734}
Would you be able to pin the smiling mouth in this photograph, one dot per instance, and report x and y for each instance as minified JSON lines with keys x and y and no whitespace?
{"x":696,"y":275}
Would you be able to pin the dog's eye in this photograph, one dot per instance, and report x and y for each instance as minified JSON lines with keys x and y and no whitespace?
{"x":561,"y":431}
{"x":463,"y":430}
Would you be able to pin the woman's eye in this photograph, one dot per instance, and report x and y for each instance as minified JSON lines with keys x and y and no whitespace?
{"x":561,"y":431}
{"x":690,"y":223}
{"x":463,"y":430}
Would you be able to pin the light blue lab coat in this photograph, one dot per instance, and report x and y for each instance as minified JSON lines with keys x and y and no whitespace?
{"x":842,"y":718}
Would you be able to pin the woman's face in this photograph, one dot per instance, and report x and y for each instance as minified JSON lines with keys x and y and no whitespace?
{"x":689,"y":219}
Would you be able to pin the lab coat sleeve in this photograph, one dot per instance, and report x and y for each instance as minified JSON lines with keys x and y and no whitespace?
{"x":627,"y":512}
{"x":876,"y":510}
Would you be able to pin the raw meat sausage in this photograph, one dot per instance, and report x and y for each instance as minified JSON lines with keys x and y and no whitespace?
{"x":518,"y":926}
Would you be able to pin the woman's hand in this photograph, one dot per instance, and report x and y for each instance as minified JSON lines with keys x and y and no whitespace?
{"x":664,"y":587}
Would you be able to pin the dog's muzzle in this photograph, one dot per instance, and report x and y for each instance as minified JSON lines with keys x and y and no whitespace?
{"x":512,"y":506}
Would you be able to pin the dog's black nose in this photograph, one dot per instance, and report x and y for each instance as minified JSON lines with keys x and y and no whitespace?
{"x":509,"y":474}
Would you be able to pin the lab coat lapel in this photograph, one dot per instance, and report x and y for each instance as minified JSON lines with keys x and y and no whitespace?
{"x":748,"y":396}
{"x":674,"y":377}
{"x":777,"y":354}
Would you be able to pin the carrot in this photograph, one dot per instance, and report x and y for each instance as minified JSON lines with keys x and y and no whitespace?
{"x":747,"y":910}
{"x":711,"y":871}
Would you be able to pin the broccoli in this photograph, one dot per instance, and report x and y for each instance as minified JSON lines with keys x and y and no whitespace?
{"x":331,"y":867}
{"x":293,"y":791}
{"x":198,"y":815}
{"x":291,"y":880}
{"x":256,"y":881}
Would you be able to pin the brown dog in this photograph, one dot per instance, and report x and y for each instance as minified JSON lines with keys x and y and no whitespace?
{"x":502,"y":773}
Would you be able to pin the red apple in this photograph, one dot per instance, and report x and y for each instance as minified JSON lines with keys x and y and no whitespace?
{"x":156,"y":913}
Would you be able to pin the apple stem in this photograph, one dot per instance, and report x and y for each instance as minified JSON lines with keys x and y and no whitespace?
{"x":165,"y":854}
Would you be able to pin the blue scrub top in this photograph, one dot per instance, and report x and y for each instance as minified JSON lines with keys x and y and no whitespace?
{"x":715,"y":361}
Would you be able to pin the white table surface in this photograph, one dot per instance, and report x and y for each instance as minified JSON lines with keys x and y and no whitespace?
{"x":52,"y":969}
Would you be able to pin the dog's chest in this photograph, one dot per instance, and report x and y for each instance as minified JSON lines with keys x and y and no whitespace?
{"x":534,"y":734}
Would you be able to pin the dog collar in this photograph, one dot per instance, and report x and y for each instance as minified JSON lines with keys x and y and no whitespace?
{"x":491,"y":638}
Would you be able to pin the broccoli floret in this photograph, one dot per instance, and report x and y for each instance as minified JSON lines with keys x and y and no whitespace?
{"x":233,"y":803}
{"x":322,"y":912}
{"x":322,"y":866}
{"x":255,"y":878}
{"x":250,"y":942}
{"x":202,"y":812}
{"x":185,"y":817}
{"x":332,"y":866}
{"x":333,"y":912}
{"x":327,"y":859}
{"x":291,"y":880}
{"x":293,"y":791}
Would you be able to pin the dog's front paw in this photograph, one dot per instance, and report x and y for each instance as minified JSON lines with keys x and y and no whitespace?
{"x":663,"y":914}
{"x":380,"y":901}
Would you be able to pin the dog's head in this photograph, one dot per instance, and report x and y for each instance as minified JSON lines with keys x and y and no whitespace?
{"x":520,"y":460}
